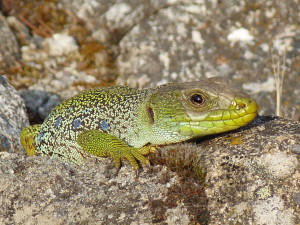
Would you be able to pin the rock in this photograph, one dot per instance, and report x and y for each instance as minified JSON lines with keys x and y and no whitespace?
{"x":20,"y":30}
{"x":12,"y":117}
{"x":9,"y":49}
{"x":154,"y":42}
{"x":252,"y":177}
{"x":39,"y":104}
{"x":36,"y":190}
{"x":166,"y":47}
{"x":60,"y":44}
{"x":251,"y":174}
{"x":109,"y":21}
{"x":190,"y":40}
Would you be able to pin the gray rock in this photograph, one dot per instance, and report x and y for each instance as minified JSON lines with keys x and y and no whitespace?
{"x":252,"y":177}
{"x":39,"y":104}
{"x":189,"y":40}
{"x":9,"y":49}
{"x":252,"y":174}
{"x":36,"y":190}
{"x":166,"y":47}
{"x":110,"y":20}
{"x":12,"y":117}
{"x":20,"y":30}
{"x":155,"y":42}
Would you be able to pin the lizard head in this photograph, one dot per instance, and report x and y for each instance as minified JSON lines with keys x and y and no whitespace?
{"x":195,"y":109}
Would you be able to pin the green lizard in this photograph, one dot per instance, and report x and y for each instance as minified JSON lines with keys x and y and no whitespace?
{"x":124,"y":122}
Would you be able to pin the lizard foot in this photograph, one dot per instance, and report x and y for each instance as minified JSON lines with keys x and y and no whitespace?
{"x":27,"y":138}
{"x":101,"y":144}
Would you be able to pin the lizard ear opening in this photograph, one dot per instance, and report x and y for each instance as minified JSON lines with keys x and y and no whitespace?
{"x":150,"y":114}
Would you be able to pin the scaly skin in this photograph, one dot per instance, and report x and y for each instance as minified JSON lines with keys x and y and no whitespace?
{"x":124,"y":122}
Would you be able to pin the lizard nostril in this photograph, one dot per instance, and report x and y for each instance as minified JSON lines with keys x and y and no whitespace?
{"x":240,"y":105}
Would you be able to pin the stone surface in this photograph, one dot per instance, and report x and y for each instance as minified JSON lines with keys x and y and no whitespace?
{"x":39,"y":104}
{"x":153,"y":42}
{"x":60,"y":44}
{"x":13,"y":117}
{"x":166,"y":47}
{"x":109,"y":21}
{"x":241,"y":41}
{"x":40,"y":191}
{"x":253,"y":175}
{"x":9,"y":49}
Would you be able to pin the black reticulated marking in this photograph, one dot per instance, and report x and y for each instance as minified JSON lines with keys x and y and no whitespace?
{"x":150,"y":114}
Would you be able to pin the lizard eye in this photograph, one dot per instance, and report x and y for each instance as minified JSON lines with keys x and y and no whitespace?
{"x":197,"y":99}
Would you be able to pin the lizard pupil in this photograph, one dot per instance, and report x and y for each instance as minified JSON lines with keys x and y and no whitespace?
{"x":197,"y":99}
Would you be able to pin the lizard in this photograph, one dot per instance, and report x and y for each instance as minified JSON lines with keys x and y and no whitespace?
{"x":124,"y":122}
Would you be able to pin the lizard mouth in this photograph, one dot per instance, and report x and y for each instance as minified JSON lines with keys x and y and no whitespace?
{"x":240,"y":112}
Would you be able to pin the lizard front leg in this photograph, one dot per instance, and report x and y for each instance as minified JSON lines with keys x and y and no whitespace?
{"x":101,"y":144}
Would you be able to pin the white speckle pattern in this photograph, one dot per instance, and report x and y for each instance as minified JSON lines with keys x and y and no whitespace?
{"x":117,"y":12}
{"x":165,"y":59}
{"x":280,"y":164}
{"x":272,"y":212}
{"x":60,"y":44}
{"x":240,"y":35}
{"x":196,"y":37}
{"x":256,"y":87}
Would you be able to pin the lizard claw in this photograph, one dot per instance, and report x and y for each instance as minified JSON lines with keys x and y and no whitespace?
{"x":153,"y":150}
{"x":117,"y":171}
{"x":136,"y":175}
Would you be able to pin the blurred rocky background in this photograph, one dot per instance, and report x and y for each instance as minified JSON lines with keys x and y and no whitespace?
{"x":65,"y":46}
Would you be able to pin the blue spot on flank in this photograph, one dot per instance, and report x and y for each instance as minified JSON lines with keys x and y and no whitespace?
{"x":70,"y":109}
{"x":40,"y":136}
{"x":86,"y":111}
{"x":104,"y":125}
{"x":58,"y":121}
{"x":77,"y":123}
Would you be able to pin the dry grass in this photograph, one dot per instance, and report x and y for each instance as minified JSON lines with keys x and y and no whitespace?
{"x":183,"y":158}
{"x":279,"y":69}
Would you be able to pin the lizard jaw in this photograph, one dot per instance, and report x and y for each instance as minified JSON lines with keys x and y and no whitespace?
{"x":240,"y":112}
